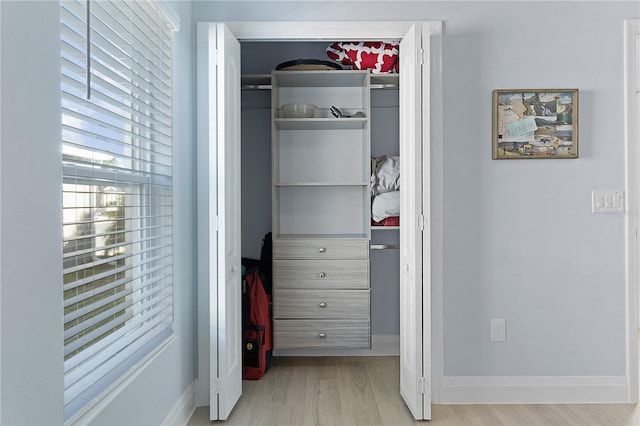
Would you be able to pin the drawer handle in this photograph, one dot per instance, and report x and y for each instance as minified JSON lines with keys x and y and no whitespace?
{"x":321,"y":275}
{"x":323,"y":305}
{"x":322,"y":335}
{"x":322,"y":250}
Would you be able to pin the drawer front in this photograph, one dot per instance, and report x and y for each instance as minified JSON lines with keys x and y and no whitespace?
{"x":317,"y":334}
{"x":320,"y":249}
{"x":321,"y":273}
{"x":321,"y":304}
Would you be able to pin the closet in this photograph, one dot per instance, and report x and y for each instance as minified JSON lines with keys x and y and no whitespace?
{"x":222,"y":117}
{"x":336,"y":277}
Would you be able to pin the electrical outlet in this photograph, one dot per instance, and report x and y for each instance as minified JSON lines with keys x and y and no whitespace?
{"x":498,"y":330}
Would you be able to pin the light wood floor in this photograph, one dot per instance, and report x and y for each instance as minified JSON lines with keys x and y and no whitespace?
{"x":364,"y":391}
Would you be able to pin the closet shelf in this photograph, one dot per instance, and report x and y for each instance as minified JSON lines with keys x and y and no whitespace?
{"x":320,"y":123}
{"x":255,"y":81}
{"x":321,"y":236}
{"x":384,"y":228}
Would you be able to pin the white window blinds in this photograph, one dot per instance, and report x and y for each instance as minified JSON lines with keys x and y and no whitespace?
{"x":117,"y":191}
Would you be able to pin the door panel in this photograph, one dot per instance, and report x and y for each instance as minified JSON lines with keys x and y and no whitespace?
{"x":229,"y":363}
{"x":411,"y":307}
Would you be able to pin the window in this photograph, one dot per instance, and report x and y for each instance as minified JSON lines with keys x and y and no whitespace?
{"x":117,"y":191}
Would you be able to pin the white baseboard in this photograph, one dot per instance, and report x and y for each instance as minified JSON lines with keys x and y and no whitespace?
{"x":535,"y":390}
{"x":381,"y":345}
{"x":183,"y":409}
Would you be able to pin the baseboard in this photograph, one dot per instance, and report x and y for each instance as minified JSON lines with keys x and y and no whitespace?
{"x":535,"y":390}
{"x":381,"y":345}
{"x":183,"y":409}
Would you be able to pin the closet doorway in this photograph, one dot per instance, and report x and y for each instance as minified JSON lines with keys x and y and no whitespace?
{"x":420,"y":100}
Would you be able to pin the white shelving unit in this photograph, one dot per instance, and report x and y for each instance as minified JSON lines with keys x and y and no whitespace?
{"x":321,"y":211}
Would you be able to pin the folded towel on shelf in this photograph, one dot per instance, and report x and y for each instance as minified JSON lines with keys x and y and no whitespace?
{"x":385,"y":205}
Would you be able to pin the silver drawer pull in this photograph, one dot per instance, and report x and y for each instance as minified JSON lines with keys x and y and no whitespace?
{"x":322,"y":335}
{"x":321,"y":275}
{"x":322,"y":250}
{"x":323,"y":305}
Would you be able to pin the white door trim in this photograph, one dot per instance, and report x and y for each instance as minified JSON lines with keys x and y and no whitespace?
{"x":632,"y":184}
{"x":368,"y":30}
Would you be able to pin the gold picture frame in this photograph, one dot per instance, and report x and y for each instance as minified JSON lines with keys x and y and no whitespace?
{"x":535,"y":124}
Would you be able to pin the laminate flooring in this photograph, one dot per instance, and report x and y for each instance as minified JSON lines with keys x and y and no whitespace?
{"x":364,"y":391}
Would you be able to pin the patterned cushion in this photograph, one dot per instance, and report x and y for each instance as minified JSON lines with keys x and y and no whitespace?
{"x":377,"y":56}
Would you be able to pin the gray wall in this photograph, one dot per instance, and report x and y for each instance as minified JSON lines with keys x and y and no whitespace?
{"x":31,"y":210}
{"x":520,"y":241}
{"x":31,"y":329}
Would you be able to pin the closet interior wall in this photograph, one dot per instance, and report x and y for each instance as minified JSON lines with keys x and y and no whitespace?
{"x":260,"y":58}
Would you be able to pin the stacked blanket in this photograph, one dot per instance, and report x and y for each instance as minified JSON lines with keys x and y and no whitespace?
{"x":384,"y":187}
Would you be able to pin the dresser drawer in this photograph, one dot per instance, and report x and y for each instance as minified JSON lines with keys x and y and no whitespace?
{"x":320,"y":304}
{"x":321,"y":273}
{"x":319,"y":334}
{"x":320,"y":248}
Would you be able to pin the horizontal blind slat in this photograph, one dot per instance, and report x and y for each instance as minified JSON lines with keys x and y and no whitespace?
{"x":148,"y":261}
{"x":107,"y":100}
{"x":81,"y":298}
{"x":112,"y":259}
{"x":106,"y":142}
{"x":132,"y":297}
{"x":86,"y":342}
{"x":99,"y":362}
{"x":104,"y":345}
{"x":103,"y":361}
{"x":135,"y":322}
{"x":122,"y":20}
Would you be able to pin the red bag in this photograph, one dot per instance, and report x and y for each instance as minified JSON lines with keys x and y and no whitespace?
{"x":258,"y":335}
{"x":378,"y":56}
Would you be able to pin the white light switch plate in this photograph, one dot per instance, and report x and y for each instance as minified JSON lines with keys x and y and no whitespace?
{"x":607,"y":201}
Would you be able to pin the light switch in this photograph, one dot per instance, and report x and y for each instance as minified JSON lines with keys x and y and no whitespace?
{"x":606,"y":201}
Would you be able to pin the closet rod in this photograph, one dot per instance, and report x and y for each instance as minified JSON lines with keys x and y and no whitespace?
{"x":384,"y":246}
{"x":263,"y":81}
{"x":268,"y":86}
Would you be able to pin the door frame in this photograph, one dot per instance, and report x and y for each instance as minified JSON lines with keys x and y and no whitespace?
{"x":432,"y":152}
{"x":632,"y":184}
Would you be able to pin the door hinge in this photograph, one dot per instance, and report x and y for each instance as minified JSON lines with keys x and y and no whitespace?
{"x":217,"y":387}
{"x":216,"y":57}
{"x":421,"y":385}
{"x":421,"y":222}
{"x":421,"y":58}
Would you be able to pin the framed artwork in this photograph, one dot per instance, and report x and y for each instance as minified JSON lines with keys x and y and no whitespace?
{"x":535,"y":123}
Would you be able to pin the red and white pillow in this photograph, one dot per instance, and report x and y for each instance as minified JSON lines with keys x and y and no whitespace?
{"x":377,"y":56}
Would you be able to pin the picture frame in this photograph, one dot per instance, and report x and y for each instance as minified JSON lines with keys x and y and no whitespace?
{"x":535,"y":124}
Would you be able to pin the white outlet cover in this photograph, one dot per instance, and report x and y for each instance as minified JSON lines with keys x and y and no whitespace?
{"x":498,"y":330}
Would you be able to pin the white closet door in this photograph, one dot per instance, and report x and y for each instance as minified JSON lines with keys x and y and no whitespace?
{"x":219,"y":211}
{"x":229,"y":319}
{"x":412,"y":374}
